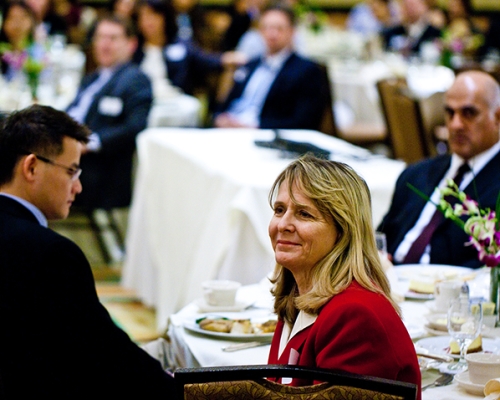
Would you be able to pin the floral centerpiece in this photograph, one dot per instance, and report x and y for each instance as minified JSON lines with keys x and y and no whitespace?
{"x":31,"y":61}
{"x":482,"y":226}
{"x":459,"y":40}
{"x":311,"y":16}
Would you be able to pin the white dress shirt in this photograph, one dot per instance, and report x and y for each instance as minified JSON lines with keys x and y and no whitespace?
{"x":248,"y":107}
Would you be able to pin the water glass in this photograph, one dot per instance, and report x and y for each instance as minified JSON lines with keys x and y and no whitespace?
{"x":464,"y":325}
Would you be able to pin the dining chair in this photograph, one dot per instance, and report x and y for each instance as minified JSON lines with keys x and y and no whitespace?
{"x":249,"y":382}
{"x":360,"y":133}
{"x":407,"y":133}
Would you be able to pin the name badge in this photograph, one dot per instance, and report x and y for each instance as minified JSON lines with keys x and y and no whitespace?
{"x":240,"y":74}
{"x":111,"y":106}
{"x":176,"y":52}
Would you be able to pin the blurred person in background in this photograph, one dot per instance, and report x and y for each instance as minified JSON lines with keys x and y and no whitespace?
{"x":372,"y":16}
{"x":278,"y":90}
{"x":414,"y":29}
{"x":114,"y":102}
{"x":16,"y":35}
{"x":162,"y":54}
{"x":48,"y":21}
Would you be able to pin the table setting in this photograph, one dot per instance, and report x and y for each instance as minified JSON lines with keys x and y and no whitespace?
{"x":198,"y":348}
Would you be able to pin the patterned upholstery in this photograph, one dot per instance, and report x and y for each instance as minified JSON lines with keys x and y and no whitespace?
{"x":248,"y":382}
{"x":263,"y":389}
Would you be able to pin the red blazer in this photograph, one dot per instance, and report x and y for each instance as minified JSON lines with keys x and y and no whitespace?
{"x":357,"y":331}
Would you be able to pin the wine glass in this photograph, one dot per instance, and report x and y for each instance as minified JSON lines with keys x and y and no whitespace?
{"x":464,"y":325}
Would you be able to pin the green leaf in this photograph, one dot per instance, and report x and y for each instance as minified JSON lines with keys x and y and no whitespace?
{"x":497,"y":213}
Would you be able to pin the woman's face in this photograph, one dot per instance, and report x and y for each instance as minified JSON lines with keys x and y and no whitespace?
{"x":300,"y":235}
{"x":151,"y":23}
{"x":39,"y":7}
{"x":17,"y":25}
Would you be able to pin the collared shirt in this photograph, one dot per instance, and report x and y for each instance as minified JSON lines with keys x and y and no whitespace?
{"x":248,"y":107}
{"x":79,"y":111}
{"x":153,"y":64}
{"x":476,"y":163}
{"x":35,"y":210}
{"x":302,"y":322}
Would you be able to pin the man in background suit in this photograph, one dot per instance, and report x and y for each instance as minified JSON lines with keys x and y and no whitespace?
{"x":281,"y":90}
{"x":57,"y":341}
{"x":114,"y":102}
{"x":408,"y":37}
{"x":472,"y":108}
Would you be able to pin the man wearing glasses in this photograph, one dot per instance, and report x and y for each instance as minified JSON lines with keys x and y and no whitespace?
{"x":57,"y":340}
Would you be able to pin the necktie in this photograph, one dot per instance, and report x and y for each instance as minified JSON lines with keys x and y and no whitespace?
{"x":417,"y":248}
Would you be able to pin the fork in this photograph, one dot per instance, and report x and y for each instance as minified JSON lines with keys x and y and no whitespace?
{"x":443,"y":380}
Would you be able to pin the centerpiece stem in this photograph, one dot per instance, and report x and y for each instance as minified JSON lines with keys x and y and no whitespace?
{"x":494,"y":278}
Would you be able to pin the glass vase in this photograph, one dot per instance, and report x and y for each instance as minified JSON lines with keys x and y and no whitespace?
{"x":494,"y":278}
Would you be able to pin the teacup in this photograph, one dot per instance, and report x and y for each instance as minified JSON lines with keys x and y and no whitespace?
{"x":220,"y":293}
{"x":444,"y":293}
{"x":483,"y":367}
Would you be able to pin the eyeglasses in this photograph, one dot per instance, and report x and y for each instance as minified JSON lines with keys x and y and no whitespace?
{"x":73,"y":172}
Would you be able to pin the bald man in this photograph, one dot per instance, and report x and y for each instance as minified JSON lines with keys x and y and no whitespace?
{"x":472,"y":108}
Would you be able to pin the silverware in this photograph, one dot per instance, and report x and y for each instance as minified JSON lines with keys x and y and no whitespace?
{"x":443,"y":380}
{"x":246,"y":345}
{"x":436,"y":357}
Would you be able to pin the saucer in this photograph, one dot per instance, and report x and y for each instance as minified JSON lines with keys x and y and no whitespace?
{"x":465,"y":383}
{"x":204,"y":307}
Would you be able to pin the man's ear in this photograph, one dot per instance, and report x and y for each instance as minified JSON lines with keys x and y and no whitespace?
{"x":132,"y":45}
{"x":29,"y":167}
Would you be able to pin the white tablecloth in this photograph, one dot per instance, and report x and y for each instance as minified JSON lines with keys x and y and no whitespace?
{"x":193,"y":349}
{"x":200,"y":208}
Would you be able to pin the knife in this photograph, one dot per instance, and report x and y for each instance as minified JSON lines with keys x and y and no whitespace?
{"x":242,"y":346}
{"x":436,"y":357}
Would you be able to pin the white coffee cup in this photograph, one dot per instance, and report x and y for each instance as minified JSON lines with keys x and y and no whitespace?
{"x":483,"y":367}
{"x":220,"y":293}
{"x":444,"y":293}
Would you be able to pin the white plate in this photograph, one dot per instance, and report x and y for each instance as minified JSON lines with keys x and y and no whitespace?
{"x":441,"y":345}
{"x":194,"y":327}
{"x":408,"y":272}
{"x":204,"y":307}
{"x":465,"y":383}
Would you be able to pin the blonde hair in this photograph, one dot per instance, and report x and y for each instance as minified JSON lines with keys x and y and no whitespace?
{"x":342,"y":196}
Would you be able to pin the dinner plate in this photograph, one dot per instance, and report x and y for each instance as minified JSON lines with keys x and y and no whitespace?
{"x":204,"y":307}
{"x":435,"y":272}
{"x":194,"y":327}
{"x":464,"y":382}
{"x":441,"y":345}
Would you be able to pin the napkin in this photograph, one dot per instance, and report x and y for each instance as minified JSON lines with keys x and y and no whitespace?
{"x":492,"y":389}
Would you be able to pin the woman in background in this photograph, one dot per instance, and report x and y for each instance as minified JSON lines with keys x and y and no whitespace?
{"x":16,"y":35}
{"x":161,"y":54}
{"x":331,"y":295}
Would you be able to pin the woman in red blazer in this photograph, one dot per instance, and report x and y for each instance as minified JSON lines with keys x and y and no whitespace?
{"x":332,"y":297}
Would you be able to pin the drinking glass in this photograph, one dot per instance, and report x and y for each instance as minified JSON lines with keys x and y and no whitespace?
{"x":464,"y":325}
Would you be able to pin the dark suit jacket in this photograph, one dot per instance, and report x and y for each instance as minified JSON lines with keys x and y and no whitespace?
{"x":117,"y":114}
{"x":186,"y":63}
{"x":295,"y":100}
{"x":429,"y":34}
{"x":447,"y":244}
{"x":57,"y":341}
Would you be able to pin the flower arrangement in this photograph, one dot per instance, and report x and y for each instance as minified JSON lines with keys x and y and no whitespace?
{"x":459,"y":39}
{"x":31,"y":61}
{"x":311,"y":16}
{"x":482,"y":225}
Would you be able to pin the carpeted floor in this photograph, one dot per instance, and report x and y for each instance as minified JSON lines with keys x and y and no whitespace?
{"x":126,"y":310}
